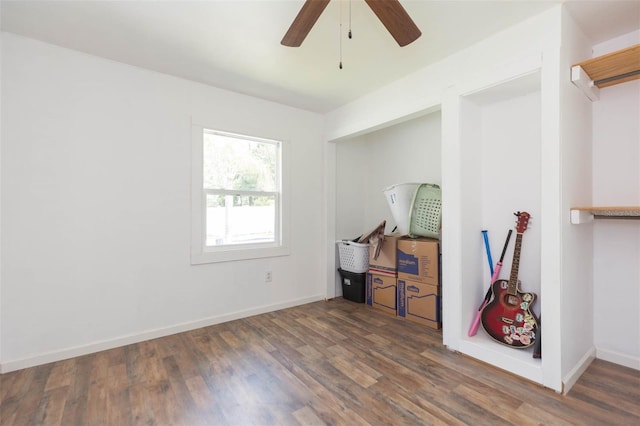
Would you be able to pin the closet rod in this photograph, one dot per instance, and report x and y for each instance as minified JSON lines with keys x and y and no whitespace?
{"x":616,"y":77}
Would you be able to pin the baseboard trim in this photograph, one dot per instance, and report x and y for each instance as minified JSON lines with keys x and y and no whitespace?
{"x":618,"y":358}
{"x":59,"y":355}
{"x":575,"y":373}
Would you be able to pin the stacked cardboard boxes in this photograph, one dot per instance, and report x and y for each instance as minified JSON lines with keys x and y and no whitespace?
{"x":381,"y":287}
{"x":404,"y":279}
{"x":418,"y":281}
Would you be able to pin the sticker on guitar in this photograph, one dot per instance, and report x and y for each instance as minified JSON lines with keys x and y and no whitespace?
{"x":508,"y":318}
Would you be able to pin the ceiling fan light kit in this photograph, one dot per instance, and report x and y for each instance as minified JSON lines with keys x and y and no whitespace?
{"x":390,"y":12}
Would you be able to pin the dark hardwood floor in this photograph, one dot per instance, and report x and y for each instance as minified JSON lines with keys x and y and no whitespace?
{"x":335,"y":362}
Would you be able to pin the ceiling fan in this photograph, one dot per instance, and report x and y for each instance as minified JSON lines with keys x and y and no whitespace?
{"x":390,"y":12}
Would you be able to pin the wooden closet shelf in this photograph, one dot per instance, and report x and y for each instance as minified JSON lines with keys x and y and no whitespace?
{"x":586,"y":214}
{"x":607,"y":70}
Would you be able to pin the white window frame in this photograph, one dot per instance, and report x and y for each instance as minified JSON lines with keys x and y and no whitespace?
{"x":200,"y":253}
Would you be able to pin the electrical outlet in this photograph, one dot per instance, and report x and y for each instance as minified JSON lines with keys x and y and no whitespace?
{"x":267,"y":277}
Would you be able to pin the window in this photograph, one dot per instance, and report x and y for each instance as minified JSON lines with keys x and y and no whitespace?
{"x":237,"y":197}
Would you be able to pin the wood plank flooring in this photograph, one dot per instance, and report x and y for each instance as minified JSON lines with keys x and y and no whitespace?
{"x":335,"y":362}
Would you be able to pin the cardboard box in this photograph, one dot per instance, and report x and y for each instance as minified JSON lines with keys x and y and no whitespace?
{"x":419,"y":302}
{"x":381,"y":293}
{"x":385,"y":264}
{"x":419,"y":260}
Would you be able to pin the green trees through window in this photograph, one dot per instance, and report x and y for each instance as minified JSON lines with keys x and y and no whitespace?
{"x":241,"y":185}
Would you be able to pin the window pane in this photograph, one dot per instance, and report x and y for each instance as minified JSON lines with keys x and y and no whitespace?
{"x":235,"y":163}
{"x":234,"y":219}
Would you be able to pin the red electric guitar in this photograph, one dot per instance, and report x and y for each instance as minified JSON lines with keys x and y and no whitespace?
{"x":507,"y":318}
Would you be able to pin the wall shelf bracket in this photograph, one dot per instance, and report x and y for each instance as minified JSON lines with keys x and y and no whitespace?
{"x":582,"y":80}
{"x":587,"y":214}
{"x":580,"y":216}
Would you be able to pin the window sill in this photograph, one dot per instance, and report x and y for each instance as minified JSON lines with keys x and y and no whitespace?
{"x":237,"y":254}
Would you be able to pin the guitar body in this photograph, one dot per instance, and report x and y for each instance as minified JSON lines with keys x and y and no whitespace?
{"x":508,"y":318}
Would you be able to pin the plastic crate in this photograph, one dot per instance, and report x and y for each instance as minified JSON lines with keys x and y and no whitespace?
{"x":400,"y":197}
{"x":426,"y":212}
{"x":353,"y":285}
{"x":354,"y":257}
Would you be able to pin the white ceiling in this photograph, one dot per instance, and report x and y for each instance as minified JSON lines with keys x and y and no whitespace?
{"x":235,"y":44}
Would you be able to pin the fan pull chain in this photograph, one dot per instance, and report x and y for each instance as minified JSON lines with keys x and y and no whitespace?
{"x":350,"y":36}
{"x":340,"y":36}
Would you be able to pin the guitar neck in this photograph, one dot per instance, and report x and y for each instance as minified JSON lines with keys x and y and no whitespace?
{"x":515,"y":266}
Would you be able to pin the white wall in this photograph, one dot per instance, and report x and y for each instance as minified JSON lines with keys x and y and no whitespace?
{"x":616,"y":249}
{"x":96,"y":206}
{"x":577,"y":242}
{"x":501,"y":54}
{"x":352,"y":166}
{"x":510,"y":156}
{"x":367,"y":164}
{"x":406,"y":152}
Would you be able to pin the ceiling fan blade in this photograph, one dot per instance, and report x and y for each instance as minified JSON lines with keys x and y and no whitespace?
{"x":396,"y":20}
{"x":307,"y":17}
